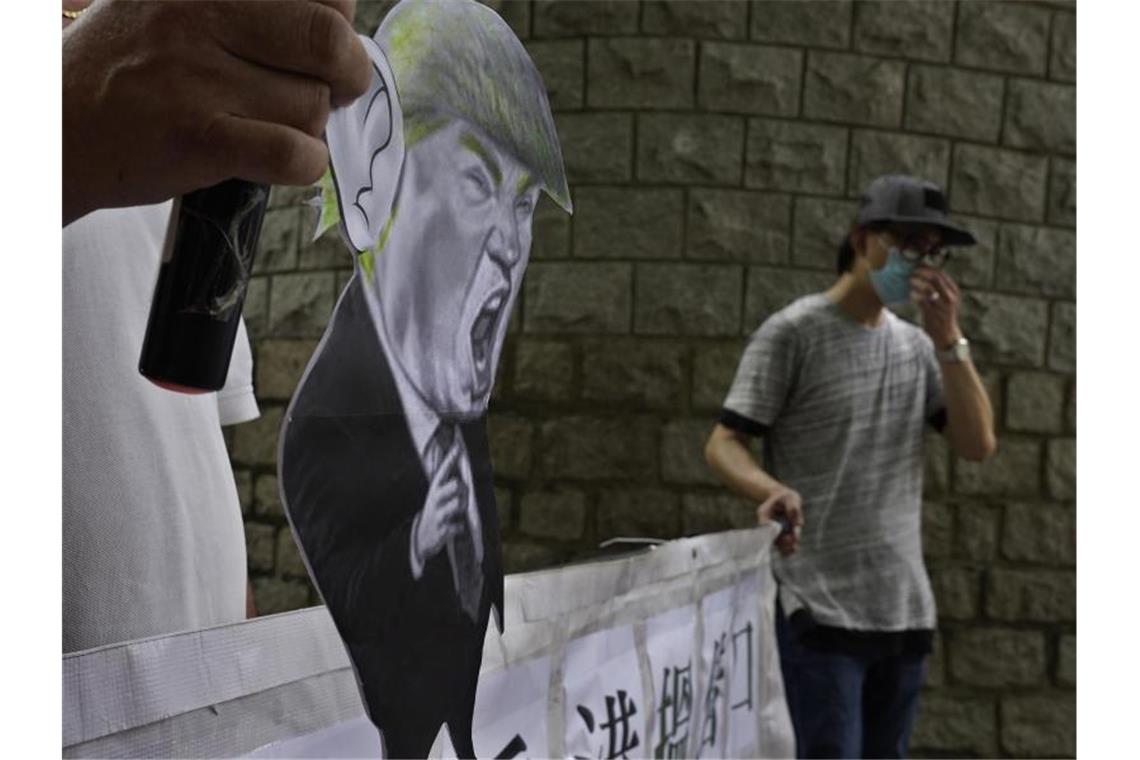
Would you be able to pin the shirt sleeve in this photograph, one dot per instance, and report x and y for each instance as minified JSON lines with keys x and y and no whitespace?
{"x":236,"y":402}
{"x":935,"y":410}
{"x":764,"y":379}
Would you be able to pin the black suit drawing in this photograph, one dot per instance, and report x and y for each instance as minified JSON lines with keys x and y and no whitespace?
{"x":353,"y":482}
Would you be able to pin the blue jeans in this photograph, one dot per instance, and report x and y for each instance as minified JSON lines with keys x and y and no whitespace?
{"x":849,"y":705}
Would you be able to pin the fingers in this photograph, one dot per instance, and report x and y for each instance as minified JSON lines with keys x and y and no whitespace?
{"x":261,"y":151}
{"x":280,"y":97}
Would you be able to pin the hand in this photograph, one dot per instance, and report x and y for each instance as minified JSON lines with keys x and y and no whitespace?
{"x":161,"y":98}
{"x":445,"y":508}
{"x":787,"y":505}
{"x":937,"y":297}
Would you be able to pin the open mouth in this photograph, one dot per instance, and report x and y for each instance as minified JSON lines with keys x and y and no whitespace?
{"x":483,"y":333}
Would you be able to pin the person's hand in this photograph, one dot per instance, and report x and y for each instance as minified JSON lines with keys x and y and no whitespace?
{"x":161,"y":98}
{"x":937,"y":297}
{"x":445,"y":508}
{"x":786,"y":505}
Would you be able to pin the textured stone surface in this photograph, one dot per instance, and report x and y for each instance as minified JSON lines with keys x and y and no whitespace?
{"x":826,"y":23}
{"x":1037,"y":260}
{"x":954,"y":102}
{"x":267,"y":499}
{"x":1039,"y":596}
{"x":995,"y":182}
{"x":289,"y":562}
{"x":712,"y":513}
{"x":520,"y":556}
{"x":512,"y":444}
{"x":1039,"y":726}
{"x":550,"y":228}
{"x":1061,"y":468}
{"x":256,"y":442}
{"x":738,"y":226}
{"x":958,"y":726}
{"x":856,"y":89}
{"x":973,"y":266}
{"x":577,"y":297}
{"x":633,"y":373}
{"x":640,"y":73}
{"x":977,"y":535}
{"x":559,"y":514}
{"x":255,"y":310}
{"x":1009,"y":37}
{"x":279,"y":366}
{"x":820,"y":226}
{"x":1041,"y":533}
{"x":702,"y":149}
{"x":277,"y":242}
{"x":1063,"y":60}
{"x":683,"y":453}
{"x":769,"y":290}
{"x":750,"y":79}
{"x":936,"y":469}
{"x":956,"y":591}
{"x":1063,"y":192}
{"x":300,"y":304}
{"x":1067,"y":661}
{"x":687,"y":299}
{"x":713,"y":370}
{"x":808,"y":158}
{"x":259,"y":547}
{"x":562,"y":64}
{"x":1063,"y":338}
{"x":565,"y":18}
{"x":1041,"y":116}
{"x":273,"y":595}
{"x":695,"y":18}
{"x":649,"y":512}
{"x":1004,"y":329}
{"x":1012,"y":471}
{"x":593,"y":448}
{"x":628,"y":223}
{"x":876,"y":153}
{"x":937,"y":529}
{"x":243,"y":481}
{"x":596,"y":147}
{"x":1036,"y":400}
{"x":544,"y":370}
{"x":912,"y":29}
{"x":997,"y":658}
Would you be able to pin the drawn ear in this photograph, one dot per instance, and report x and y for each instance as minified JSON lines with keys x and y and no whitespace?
{"x":366,"y":151}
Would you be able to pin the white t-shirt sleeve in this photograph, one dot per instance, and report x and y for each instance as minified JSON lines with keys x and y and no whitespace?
{"x":236,"y":402}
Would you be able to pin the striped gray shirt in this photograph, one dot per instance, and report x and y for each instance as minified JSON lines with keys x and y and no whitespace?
{"x":842,"y":409}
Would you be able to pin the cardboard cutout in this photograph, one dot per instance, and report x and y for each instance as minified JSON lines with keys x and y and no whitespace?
{"x":384,"y":465}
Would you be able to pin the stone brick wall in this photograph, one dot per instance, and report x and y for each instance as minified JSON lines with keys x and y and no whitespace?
{"x":715,"y":152}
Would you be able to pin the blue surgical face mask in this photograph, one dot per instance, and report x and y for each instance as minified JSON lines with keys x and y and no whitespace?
{"x":892,"y":282}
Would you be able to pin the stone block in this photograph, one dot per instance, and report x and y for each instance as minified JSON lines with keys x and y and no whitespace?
{"x":1063,"y":192}
{"x":1063,"y":56}
{"x":255,"y":442}
{"x":1036,"y":402}
{"x":503,"y":504}
{"x":243,"y":482}
{"x":267,"y":499}
{"x":521,"y":556}
{"x":690,"y":148}
{"x":993,"y":381}
{"x":954,"y":103}
{"x":746,"y":78}
{"x":289,"y":561}
{"x":724,"y":19}
{"x":255,"y":310}
{"x":997,"y":182}
{"x":1036,"y":596}
{"x":597,"y":147}
{"x":977,"y":535}
{"x":738,"y":226}
{"x":769,"y":290}
{"x":913,"y":29}
{"x":956,"y":591}
{"x":855,"y":89}
{"x":1041,"y":116}
{"x":565,"y":18}
{"x":937,"y":529}
{"x":279,"y":366}
{"x":712,"y":513}
{"x":997,"y":658}
{"x":273,"y":595}
{"x":300,"y":304}
{"x":1040,"y":532}
{"x":973,"y":267}
{"x":515,"y":12}
{"x":634,"y":373}
{"x":1063,"y":338}
{"x":326,"y":252}
{"x":936,"y":663}
{"x":714,"y":367}
{"x":544,"y":370}
{"x":511,"y":440}
{"x":598,"y":448}
{"x":1039,"y":725}
{"x":576,"y":298}
{"x":640,"y":73}
{"x":1067,"y":661}
{"x":1071,"y":409}
{"x":370,"y":14}
{"x":550,"y":228}
{"x":1009,"y":37}
{"x":956,"y":726}
{"x":1037,"y":260}
{"x":820,"y":226}
{"x":553,"y":513}
{"x":278,"y":241}
{"x":826,"y":23}
{"x":628,"y":223}
{"x":640,"y":513}
{"x":1012,"y":471}
{"x":1004,"y":329}
{"x":876,"y":153}
{"x":683,"y":453}
{"x":562,"y":64}
{"x":797,"y":157}
{"x":687,"y":299}
{"x":259,"y":541}
{"x":289,"y":196}
{"x":1061,"y":468}
{"x":936,"y":465}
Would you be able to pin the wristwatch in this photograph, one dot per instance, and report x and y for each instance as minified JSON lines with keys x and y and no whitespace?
{"x":959,"y":351}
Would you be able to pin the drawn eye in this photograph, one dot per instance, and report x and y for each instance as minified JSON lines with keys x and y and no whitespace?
{"x":475,"y":186}
{"x":524,"y":205}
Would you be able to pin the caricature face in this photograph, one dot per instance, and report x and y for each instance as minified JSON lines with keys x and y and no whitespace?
{"x":451,"y":268}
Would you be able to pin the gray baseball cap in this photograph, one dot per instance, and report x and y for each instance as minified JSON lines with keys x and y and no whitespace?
{"x":910,"y":200}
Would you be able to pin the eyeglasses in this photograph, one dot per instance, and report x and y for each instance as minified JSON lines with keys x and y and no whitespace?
{"x":935,"y":258}
{"x":919,"y":248}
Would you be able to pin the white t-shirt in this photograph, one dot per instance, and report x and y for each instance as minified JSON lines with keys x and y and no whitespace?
{"x":152,"y":530}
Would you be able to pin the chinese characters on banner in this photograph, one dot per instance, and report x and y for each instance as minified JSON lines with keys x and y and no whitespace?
{"x":604,"y":705}
{"x":743,"y":670}
{"x":712,"y":707}
{"x":669,"y":641}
